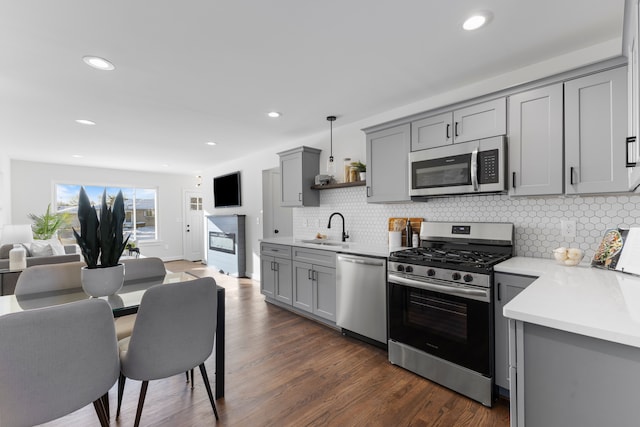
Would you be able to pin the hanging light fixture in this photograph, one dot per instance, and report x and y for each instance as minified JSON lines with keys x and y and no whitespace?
{"x":331,"y":165}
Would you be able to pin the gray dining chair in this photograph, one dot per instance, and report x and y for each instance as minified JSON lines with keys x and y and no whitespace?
{"x":49,"y":277}
{"x":56,"y":360}
{"x":135,"y":270}
{"x":173,"y":333}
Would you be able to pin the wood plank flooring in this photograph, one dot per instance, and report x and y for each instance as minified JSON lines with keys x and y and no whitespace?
{"x":286,"y":370}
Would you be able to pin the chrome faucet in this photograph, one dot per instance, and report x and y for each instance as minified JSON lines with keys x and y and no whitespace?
{"x":345,"y":236}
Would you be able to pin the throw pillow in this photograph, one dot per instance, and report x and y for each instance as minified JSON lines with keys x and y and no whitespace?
{"x":56,"y":246}
{"x":40,"y":248}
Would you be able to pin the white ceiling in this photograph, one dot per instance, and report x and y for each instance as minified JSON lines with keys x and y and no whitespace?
{"x":193,"y":71}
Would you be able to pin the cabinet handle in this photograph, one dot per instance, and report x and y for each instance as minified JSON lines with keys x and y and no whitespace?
{"x":310,"y":274}
{"x":513,"y":180}
{"x":571,"y":175}
{"x":448,"y":129}
{"x":299,"y":197}
{"x":368,"y":195}
{"x":315,"y":276}
{"x":455,"y":132}
{"x":272,"y":267}
{"x":499,"y":293}
{"x":276,"y":266}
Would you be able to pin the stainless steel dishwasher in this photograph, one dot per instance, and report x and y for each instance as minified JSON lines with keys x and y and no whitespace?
{"x":361,"y":299}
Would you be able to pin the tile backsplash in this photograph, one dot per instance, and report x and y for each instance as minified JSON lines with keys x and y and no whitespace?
{"x":537,"y":220}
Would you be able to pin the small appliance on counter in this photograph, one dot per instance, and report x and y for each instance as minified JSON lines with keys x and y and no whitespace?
{"x":323,"y":179}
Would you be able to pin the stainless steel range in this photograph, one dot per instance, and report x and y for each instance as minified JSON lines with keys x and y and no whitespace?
{"x":441,"y":304}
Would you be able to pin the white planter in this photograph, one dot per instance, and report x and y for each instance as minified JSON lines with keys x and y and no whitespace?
{"x":102,"y":282}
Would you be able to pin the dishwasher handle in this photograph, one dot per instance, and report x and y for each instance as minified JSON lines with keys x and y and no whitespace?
{"x":359,"y":260}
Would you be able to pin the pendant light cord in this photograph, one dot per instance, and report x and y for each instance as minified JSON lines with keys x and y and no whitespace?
{"x":331,"y":119}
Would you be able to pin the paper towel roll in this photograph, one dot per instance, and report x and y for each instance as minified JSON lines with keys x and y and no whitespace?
{"x":395,"y":239}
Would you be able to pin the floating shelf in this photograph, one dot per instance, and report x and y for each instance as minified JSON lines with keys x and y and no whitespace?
{"x":339,"y":185}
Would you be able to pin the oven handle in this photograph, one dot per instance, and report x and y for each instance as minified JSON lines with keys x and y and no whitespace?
{"x":476,"y":294}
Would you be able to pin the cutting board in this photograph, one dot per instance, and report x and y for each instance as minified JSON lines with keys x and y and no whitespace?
{"x":415,"y":226}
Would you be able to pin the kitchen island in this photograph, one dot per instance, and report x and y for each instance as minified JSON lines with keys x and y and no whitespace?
{"x":574,"y":345}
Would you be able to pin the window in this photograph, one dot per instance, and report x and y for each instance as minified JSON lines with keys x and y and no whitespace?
{"x":140,"y":208}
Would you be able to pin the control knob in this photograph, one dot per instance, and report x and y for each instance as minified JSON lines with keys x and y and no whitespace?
{"x":400,"y":268}
{"x":468,"y":278}
{"x":431,"y":272}
{"x":455,"y":276}
{"x":408,"y":269}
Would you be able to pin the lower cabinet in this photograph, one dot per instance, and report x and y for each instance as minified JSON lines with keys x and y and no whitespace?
{"x":506,"y":288}
{"x":300,"y":277}
{"x":275,"y":272}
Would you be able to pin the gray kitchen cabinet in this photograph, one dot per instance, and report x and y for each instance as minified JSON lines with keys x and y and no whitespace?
{"x":480,"y":121}
{"x":477,"y":121}
{"x":507,"y":286}
{"x":314,"y":282}
{"x":276,"y":272}
{"x":536,"y":141}
{"x":388,"y":164}
{"x":567,"y":379}
{"x":595,"y":133}
{"x":631,"y":38}
{"x":298,"y":170}
{"x":431,"y":132}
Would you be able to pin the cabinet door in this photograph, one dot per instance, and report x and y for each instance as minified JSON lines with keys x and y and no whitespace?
{"x":388,"y":164}
{"x":267,"y":276}
{"x":480,"y":121}
{"x":303,"y":286}
{"x":506,"y":288}
{"x":595,"y":133}
{"x":324,"y":301}
{"x":432,"y":132}
{"x":284,"y":281}
{"x":535,"y":141}
{"x":291,"y":172}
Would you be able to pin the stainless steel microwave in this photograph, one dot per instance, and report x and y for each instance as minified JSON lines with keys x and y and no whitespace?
{"x":466,"y":168}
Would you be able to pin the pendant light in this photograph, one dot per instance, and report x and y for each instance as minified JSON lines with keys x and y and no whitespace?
{"x":331,"y":165}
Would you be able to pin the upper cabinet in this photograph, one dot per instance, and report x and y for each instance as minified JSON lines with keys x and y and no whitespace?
{"x":298,"y":169}
{"x":535,"y":141}
{"x":631,"y":39}
{"x":388,"y":164}
{"x":595,"y":133}
{"x":477,"y":121}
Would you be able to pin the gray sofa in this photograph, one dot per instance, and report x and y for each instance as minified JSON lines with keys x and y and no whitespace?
{"x":9,"y":280}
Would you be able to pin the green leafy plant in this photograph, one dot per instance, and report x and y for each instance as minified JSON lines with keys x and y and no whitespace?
{"x":101,"y":239}
{"x":45,"y":226}
{"x":360,"y":166}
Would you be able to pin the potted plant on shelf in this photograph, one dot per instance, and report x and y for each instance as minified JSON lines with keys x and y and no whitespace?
{"x":361,"y":168}
{"x":46,"y":226}
{"x":101,"y":240}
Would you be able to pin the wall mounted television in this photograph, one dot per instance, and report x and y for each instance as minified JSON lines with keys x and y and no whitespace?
{"x":226,"y":190}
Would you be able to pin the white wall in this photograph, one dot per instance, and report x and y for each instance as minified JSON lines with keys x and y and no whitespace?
{"x":5,"y":190}
{"x":32,"y":188}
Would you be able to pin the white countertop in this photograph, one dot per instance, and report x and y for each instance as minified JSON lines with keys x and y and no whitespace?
{"x":588,"y":301}
{"x":346,"y":247}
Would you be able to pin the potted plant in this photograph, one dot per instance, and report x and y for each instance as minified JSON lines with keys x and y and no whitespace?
{"x":361,"y":168}
{"x":101,"y":240}
{"x":46,"y":226}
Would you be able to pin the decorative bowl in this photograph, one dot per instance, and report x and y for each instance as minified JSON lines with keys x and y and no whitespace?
{"x":568,"y":256}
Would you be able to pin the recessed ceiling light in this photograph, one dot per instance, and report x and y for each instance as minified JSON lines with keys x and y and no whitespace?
{"x":476,"y":21}
{"x":98,"y":63}
{"x":77,"y":156}
{"x":165,"y":165}
{"x":273,"y":114}
{"x":210,"y":143}
{"x":85,"y":122}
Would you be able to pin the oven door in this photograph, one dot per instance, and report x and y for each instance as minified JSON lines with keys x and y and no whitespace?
{"x":453,"y":322}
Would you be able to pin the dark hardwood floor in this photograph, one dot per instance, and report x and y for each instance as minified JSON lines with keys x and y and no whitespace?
{"x":286,"y":370}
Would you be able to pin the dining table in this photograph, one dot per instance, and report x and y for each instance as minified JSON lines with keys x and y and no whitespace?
{"x":124,"y":302}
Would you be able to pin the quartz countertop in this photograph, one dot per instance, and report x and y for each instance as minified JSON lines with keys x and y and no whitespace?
{"x":583,"y":300}
{"x":336,"y":246}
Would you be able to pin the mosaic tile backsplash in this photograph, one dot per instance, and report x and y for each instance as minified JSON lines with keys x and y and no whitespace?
{"x":537,"y":220}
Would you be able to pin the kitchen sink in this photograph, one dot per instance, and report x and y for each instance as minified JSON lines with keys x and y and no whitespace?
{"x":325,"y":242}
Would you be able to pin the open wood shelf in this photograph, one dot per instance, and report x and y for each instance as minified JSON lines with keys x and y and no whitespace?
{"x":339,"y":185}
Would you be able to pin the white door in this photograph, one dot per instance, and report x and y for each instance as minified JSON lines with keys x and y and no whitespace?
{"x":193,"y":237}
{"x":277,"y":220}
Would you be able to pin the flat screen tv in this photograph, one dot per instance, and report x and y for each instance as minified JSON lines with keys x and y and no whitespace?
{"x":226,"y":190}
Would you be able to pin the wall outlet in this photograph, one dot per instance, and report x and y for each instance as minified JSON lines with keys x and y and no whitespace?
{"x":568,"y":228}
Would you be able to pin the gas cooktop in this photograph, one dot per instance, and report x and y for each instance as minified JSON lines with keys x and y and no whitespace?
{"x":449,"y":258}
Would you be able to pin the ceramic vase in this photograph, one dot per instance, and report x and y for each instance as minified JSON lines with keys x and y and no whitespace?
{"x":102,"y":282}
